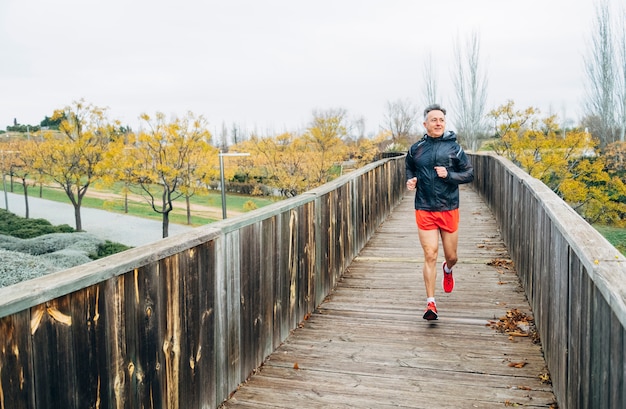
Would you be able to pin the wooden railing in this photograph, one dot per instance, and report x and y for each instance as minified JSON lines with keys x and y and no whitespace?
{"x":182,"y":322}
{"x":574,"y":279}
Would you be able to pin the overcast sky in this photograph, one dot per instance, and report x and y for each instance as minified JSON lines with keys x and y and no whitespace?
{"x":266,"y":65}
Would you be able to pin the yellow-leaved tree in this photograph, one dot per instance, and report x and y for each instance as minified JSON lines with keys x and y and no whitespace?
{"x":166,"y":153}
{"x":615,"y":156}
{"x":20,"y":164}
{"x":565,"y":160}
{"x":120,"y":165}
{"x":279,"y":162}
{"x":73,"y":157}
{"x":324,"y":139}
{"x":365,"y":150}
{"x":291,"y":163}
{"x":202,"y":162}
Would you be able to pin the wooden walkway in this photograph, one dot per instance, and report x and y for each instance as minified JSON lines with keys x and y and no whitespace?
{"x":367,"y":345}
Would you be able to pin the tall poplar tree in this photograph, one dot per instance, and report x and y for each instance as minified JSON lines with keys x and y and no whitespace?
{"x":600,"y":104}
{"x":470,"y":84}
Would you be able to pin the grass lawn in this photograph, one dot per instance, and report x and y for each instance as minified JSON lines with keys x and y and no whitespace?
{"x":616,"y":236}
{"x":97,"y":198}
{"x":235,"y":203}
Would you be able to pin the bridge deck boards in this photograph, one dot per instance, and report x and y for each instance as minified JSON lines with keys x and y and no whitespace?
{"x":367,"y":345}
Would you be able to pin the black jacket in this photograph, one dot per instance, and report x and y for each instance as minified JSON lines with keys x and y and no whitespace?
{"x":432,"y":192}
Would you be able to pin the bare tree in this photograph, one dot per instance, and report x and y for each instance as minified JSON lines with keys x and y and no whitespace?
{"x":621,"y":87}
{"x":470,"y":84}
{"x":358,"y":128}
{"x":600,"y":68}
{"x":430,"y":82}
{"x":237,"y":134}
{"x":400,"y":120}
{"x":223,"y":143}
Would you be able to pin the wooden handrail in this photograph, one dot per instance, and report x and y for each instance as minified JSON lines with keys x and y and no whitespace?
{"x":183,"y":321}
{"x":574,"y":279}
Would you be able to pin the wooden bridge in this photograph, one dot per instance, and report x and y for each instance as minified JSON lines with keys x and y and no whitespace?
{"x":316,"y":302}
{"x":367,"y":346}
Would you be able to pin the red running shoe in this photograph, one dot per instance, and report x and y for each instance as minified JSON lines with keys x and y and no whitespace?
{"x":431,"y":312}
{"x":448,"y":280}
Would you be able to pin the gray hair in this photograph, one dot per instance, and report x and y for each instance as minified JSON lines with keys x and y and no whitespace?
{"x":433,"y":107}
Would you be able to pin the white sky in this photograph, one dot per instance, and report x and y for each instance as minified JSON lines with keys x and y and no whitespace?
{"x":266,"y":65}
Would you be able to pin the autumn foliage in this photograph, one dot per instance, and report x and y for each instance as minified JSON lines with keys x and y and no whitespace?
{"x":174,"y":159}
{"x":567,"y":161}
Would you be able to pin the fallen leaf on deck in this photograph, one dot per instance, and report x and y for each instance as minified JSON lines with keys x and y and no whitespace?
{"x":545,"y":378}
{"x":516,"y":324}
{"x":501,"y":262}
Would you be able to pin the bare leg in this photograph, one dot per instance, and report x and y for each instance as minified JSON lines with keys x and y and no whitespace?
{"x":429,"y":240}
{"x":450,"y":243}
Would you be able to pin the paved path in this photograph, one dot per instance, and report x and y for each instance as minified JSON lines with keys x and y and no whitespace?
{"x":116,"y":227}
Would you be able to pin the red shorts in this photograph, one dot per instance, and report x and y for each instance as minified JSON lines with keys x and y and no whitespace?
{"x":447,"y":220}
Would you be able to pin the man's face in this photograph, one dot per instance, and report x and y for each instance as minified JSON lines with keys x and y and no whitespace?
{"x":435,"y":123}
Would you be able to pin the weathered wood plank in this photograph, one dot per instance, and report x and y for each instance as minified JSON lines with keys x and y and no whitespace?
{"x":142,"y":320}
{"x":15,"y":358}
{"x":574,"y":279}
{"x":368,"y":346}
{"x":55,"y":326}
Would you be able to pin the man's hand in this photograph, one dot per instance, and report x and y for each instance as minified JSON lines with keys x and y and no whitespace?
{"x":411,"y":184}
{"x":442,"y":172}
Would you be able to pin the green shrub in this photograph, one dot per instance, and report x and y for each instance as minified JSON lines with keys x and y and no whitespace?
{"x":13,"y":225}
{"x":65,"y":228}
{"x":107,"y":248}
{"x":29,"y":232}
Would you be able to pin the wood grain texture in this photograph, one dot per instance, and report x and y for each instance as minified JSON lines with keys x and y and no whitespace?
{"x":332,"y":284}
{"x":367,"y":346}
{"x":574,"y":279}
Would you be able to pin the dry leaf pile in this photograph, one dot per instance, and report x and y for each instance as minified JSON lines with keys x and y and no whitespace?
{"x":516,"y":324}
{"x":502,"y":263}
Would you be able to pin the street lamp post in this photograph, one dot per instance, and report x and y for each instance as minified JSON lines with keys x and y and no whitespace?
{"x":4,"y":185}
{"x":222,"y":182}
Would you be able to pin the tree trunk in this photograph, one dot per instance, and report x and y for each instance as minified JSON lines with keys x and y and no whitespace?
{"x":166,"y":223}
{"x":188,"y":210}
{"x":79,"y":222}
{"x":76,"y":202}
{"x":25,"y":185}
